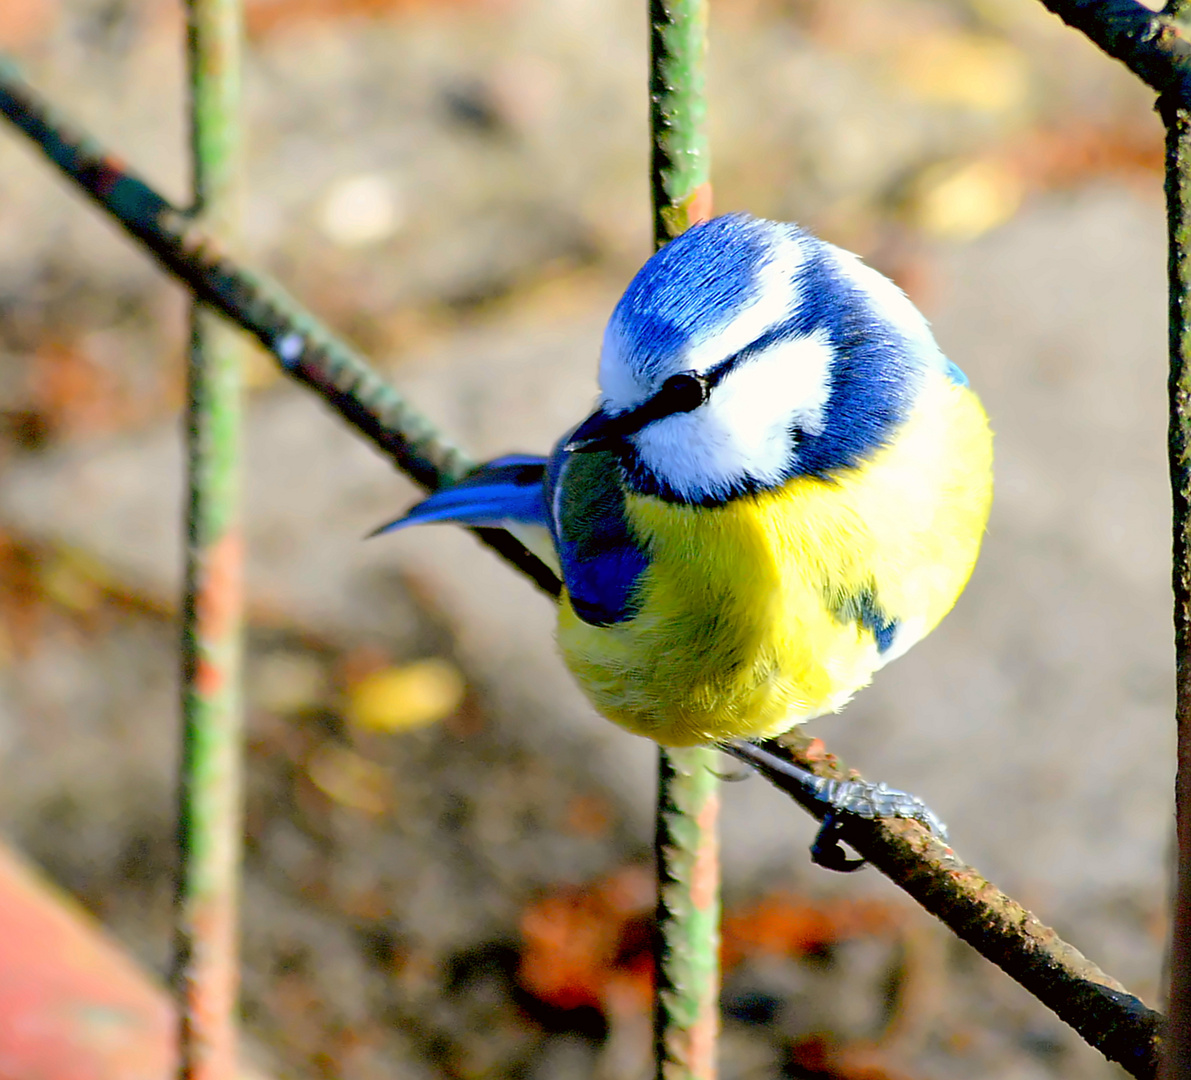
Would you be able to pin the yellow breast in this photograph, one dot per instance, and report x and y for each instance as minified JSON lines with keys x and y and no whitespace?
{"x":740,"y":632}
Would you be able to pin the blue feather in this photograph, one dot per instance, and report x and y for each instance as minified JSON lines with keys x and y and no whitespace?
{"x":873,"y":379}
{"x":509,"y":489}
{"x":600,"y":558}
{"x":691,"y":288}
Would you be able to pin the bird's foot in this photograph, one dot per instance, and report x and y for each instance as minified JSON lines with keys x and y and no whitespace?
{"x":841,"y":797}
{"x":866,"y":800}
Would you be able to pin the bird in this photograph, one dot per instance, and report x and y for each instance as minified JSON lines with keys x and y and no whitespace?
{"x":783,"y":486}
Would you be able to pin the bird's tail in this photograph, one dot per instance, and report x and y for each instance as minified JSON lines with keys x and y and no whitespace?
{"x":508,"y":493}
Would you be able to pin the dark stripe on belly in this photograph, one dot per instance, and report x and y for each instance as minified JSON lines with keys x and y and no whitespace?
{"x":862,"y":607}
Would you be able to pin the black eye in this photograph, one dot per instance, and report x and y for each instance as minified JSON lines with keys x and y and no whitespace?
{"x":684,"y":392}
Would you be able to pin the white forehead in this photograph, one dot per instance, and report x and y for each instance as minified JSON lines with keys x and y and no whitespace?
{"x":627,"y":378}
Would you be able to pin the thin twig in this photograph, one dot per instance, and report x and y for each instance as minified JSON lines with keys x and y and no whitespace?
{"x":134,"y":206}
{"x":1098,"y":1007}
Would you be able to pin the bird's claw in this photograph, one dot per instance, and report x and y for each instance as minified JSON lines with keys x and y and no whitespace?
{"x":865,"y":800}
{"x":841,"y":797}
{"x":828,"y":852}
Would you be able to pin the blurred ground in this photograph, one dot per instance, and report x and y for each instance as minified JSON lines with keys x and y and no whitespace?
{"x":461,"y":188}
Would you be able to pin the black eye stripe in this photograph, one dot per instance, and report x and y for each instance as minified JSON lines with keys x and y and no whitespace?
{"x":680,"y":393}
{"x":716,"y":375}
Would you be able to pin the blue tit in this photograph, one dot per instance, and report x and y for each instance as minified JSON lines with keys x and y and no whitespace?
{"x":784,"y":487}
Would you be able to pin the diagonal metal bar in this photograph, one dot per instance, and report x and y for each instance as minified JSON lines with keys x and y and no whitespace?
{"x":686,"y":996}
{"x":1096,"y":1006}
{"x":1153,"y":45}
{"x":263,"y":310}
{"x":305,"y":348}
{"x":206,"y":967}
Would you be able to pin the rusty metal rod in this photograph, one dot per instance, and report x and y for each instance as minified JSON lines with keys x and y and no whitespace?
{"x":1156,"y":47}
{"x":687,"y":991}
{"x":206,"y":959}
{"x":1178,"y":213}
{"x":1149,"y":43}
{"x":1096,"y":1006}
{"x":302,"y":345}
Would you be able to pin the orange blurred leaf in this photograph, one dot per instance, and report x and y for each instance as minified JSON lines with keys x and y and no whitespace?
{"x":26,"y":22}
{"x":961,"y":200}
{"x":592,"y":946}
{"x":968,"y":70}
{"x":73,"y":393}
{"x":820,"y":1056}
{"x":350,"y":779}
{"x":1064,"y":157}
{"x":265,"y":16}
{"x":786,"y":924}
{"x":588,"y":815}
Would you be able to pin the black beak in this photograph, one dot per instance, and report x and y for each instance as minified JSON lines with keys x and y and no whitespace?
{"x":680,"y":393}
{"x":601,"y":431}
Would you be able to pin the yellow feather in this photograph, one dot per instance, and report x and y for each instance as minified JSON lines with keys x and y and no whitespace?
{"x":738,"y":633}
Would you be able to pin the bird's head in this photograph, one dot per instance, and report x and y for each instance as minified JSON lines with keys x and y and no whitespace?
{"x":746,"y":352}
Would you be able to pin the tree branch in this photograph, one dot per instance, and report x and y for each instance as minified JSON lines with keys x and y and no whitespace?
{"x":996,"y":926}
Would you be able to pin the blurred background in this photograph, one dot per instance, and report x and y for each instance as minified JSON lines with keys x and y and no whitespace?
{"x":448,"y":861}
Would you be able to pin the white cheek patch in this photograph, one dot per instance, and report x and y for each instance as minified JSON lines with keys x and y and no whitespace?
{"x":743,"y":431}
{"x":789,"y":382}
{"x":688,"y":453}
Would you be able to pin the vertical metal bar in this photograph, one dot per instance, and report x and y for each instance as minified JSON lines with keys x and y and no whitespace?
{"x":209,"y":815}
{"x":1178,"y":214}
{"x":686,"y":1004}
{"x":680,"y":165}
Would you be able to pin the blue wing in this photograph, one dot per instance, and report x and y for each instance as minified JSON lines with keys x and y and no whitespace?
{"x":601,"y":560}
{"x":579,"y":498}
{"x":509,"y":489}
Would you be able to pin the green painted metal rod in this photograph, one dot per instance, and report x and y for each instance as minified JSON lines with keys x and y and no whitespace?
{"x":686,"y":1002}
{"x":206,"y":964}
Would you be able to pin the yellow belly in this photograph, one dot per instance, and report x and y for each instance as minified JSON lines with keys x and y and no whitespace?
{"x":737,"y":635}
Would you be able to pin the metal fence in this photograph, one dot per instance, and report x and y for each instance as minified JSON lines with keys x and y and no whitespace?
{"x":189,"y":243}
